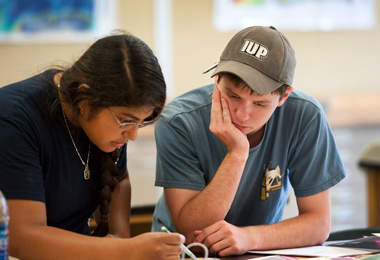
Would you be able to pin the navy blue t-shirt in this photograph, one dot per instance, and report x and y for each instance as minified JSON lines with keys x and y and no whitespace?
{"x":38,"y":160}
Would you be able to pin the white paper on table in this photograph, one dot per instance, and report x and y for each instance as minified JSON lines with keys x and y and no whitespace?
{"x":323,"y":251}
{"x":278,"y":257}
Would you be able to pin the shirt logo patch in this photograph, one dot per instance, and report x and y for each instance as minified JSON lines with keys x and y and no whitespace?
{"x":271,"y":182}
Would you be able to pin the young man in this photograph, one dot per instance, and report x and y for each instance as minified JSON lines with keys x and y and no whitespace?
{"x":227,"y":154}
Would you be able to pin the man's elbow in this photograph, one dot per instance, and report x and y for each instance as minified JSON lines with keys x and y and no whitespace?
{"x":323,"y":230}
{"x":189,"y":234}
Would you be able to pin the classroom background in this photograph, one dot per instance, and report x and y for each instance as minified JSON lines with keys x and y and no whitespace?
{"x":338,"y":67}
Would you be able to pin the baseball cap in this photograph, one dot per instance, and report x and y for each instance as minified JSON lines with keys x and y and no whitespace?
{"x":261,"y":56}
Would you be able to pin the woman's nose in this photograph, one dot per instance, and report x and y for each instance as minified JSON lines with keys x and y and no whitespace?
{"x":132,"y":133}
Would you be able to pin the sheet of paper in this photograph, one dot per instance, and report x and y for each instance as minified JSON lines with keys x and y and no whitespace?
{"x":279,"y":257}
{"x":320,"y":251}
{"x":202,"y":258}
{"x":275,"y":257}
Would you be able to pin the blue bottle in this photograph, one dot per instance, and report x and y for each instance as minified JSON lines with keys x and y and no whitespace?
{"x":4,"y":221}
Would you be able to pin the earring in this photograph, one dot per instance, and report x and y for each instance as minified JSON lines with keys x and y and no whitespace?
{"x":81,"y":110}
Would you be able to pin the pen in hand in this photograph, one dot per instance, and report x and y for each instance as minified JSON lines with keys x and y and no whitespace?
{"x":184,"y":248}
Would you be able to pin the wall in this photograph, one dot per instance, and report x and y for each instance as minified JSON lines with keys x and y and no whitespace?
{"x":327,"y":61}
{"x":339,"y":68}
{"x":24,"y":60}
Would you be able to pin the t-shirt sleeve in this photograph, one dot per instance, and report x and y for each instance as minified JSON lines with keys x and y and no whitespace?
{"x":177,"y":162}
{"x":315,"y":164}
{"x":21,"y":171}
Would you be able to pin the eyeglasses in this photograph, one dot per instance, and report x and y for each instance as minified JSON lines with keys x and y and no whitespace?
{"x":130,"y":125}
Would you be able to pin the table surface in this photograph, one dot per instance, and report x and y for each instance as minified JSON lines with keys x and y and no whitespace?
{"x":241,"y":257}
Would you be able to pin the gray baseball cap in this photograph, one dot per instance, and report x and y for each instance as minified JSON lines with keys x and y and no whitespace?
{"x":261,"y":56}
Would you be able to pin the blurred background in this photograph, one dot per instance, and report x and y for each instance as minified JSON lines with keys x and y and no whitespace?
{"x":336,"y":43}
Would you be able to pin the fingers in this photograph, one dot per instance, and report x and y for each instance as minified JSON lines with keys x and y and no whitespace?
{"x":211,"y":238}
{"x":201,"y":236}
{"x":197,"y":232}
{"x":156,"y":245}
{"x":174,"y":239}
{"x":172,"y":251}
{"x":220,"y":112}
{"x":170,"y":244}
{"x":226,"y":111}
{"x":175,"y":250}
{"x":215,"y":106}
{"x":219,"y":238}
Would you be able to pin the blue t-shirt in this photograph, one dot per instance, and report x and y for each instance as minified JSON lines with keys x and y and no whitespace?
{"x":297,"y":149}
{"x":38,"y":160}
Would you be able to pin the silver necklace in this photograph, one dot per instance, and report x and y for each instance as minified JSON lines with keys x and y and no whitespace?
{"x":86,"y":172}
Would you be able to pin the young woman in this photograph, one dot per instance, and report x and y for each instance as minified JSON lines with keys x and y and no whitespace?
{"x":63,"y":139}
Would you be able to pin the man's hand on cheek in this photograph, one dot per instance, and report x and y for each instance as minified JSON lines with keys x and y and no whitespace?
{"x":221,"y":124}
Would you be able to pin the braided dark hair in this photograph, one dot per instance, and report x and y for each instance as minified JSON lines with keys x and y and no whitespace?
{"x":107,"y":183}
{"x":121,"y":70}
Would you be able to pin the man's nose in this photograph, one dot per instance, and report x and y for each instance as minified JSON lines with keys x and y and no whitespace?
{"x":243,"y":112}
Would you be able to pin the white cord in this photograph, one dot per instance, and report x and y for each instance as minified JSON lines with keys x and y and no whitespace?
{"x":196,"y":244}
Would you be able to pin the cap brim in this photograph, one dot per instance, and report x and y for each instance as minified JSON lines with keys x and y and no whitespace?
{"x":258,"y":81}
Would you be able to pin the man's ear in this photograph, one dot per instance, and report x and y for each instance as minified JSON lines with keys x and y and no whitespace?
{"x":286,"y":95}
{"x":216,"y":77}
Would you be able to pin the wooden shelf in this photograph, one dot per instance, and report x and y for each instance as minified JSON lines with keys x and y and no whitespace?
{"x":139,"y":223}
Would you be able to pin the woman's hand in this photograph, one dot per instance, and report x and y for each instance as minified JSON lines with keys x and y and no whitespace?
{"x":156,"y":246}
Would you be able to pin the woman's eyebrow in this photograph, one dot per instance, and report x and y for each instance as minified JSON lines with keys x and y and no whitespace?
{"x":131,"y":116}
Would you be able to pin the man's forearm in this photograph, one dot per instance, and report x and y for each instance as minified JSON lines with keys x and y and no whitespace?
{"x":213,"y":203}
{"x":304,"y":230}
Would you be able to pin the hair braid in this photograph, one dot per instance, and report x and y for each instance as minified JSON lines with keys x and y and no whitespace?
{"x":107,"y":184}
